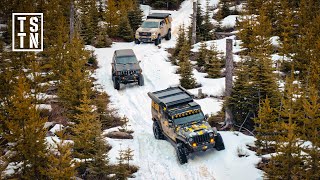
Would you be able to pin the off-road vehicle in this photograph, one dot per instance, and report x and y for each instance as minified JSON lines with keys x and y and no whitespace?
{"x":125,"y":68}
{"x":179,"y":119}
{"x":154,"y":28}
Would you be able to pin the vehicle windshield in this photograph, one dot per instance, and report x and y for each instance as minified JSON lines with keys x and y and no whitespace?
{"x":188,"y":119}
{"x":150,"y":24}
{"x":126,"y":60}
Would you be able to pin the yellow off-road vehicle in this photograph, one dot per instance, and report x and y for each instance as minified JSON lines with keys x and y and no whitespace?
{"x":179,"y":119}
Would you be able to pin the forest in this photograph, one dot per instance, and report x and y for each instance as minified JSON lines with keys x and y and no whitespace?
{"x":275,"y":92}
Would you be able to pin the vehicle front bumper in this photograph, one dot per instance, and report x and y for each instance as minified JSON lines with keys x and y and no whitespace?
{"x":146,"y":38}
{"x":129,"y":78}
{"x":202,"y":146}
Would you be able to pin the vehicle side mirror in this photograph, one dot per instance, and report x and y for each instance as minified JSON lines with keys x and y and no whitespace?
{"x":139,"y":61}
{"x":206,"y":117}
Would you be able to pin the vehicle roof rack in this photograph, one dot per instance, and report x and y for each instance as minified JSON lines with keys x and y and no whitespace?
{"x":124,"y":52}
{"x":171,"y":96}
{"x":158,"y":15}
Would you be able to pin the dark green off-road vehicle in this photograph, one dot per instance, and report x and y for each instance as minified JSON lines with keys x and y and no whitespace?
{"x":179,"y":119}
{"x":126,"y":68}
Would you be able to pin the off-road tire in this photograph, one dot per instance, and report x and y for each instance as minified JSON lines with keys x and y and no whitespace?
{"x":181,"y":153}
{"x":157,"y":41}
{"x":219,"y":142}
{"x":136,"y":41}
{"x":141,"y":80}
{"x":157,"y":132}
{"x":168,"y":36}
{"x":116,"y":84}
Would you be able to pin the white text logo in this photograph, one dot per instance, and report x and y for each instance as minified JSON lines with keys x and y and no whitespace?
{"x":27,"y":31}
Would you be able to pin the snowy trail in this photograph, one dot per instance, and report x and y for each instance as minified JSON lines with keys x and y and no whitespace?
{"x":157,"y":159}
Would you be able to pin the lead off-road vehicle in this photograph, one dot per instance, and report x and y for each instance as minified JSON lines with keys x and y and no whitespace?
{"x":179,"y":119}
{"x":154,"y":28}
{"x":125,"y":68}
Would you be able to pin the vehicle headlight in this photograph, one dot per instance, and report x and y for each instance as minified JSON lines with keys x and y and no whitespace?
{"x":154,"y":34}
{"x":190,"y":139}
{"x":211,"y":134}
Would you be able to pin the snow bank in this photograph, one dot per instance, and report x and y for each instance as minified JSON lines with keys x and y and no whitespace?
{"x":229,"y":21}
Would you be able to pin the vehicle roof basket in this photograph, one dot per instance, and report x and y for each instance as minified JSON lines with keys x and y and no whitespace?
{"x":158,"y":15}
{"x":171,"y":96}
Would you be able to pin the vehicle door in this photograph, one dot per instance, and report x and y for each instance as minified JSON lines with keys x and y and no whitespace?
{"x":163,"y":29}
{"x":113,"y":64}
{"x":167,"y":125}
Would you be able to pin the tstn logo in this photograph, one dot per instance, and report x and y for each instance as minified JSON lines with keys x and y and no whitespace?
{"x":27,"y":31}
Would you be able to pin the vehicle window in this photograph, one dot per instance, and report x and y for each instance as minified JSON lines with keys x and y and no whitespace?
{"x":188,"y":119}
{"x":148,"y":24}
{"x":126,"y":60}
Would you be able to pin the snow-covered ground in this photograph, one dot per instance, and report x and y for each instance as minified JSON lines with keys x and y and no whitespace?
{"x":157,"y":159}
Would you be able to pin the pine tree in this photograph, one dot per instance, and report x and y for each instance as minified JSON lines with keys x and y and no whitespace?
{"x":179,"y":44}
{"x":76,"y":77}
{"x":125,"y":30}
{"x":99,"y":168}
{"x":112,"y":18}
{"x":121,"y":170}
{"x":311,"y":128}
{"x":124,"y":6}
{"x":62,"y":165}
{"x":266,"y":127}
{"x":89,"y":20}
{"x":89,"y":146}
{"x":202,"y":55}
{"x":199,"y":22}
{"x":135,"y":16}
{"x":259,"y":73}
{"x":86,"y":130}
{"x":206,"y":25}
{"x":25,"y":133}
{"x":224,"y":10}
{"x":286,"y":164}
{"x":127,"y":155}
{"x":187,"y":80}
{"x":213,"y":63}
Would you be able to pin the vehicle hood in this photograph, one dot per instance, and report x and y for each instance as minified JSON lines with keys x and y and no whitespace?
{"x":140,"y":29}
{"x":127,"y":67}
{"x":191,"y":130}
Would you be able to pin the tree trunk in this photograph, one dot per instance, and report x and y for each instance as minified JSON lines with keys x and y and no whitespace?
{"x":228,"y":80}
{"x":194,"y":23}
{"x":71,"y":21}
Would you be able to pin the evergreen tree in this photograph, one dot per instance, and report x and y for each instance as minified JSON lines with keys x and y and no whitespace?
{"x":266,"y":128}
{"x":62,"y":165}
{"x":89,"y":20}
{"x":89,"y":146}
{"x":199,"y":22}
{"x":180,"y":41}
{"x":135,"y":16}
{"x":286,"y":164}
{"x":224,"y":10}
{"x":125,"y":30}
{"x":213,"y":63}
{"x":206,"y":25}
{"x":99,"y":168}
{"x":187,"y":80}
{"x":262,"y":82}
{"x":25,"y":134}
{"x":311,"y":128}
{"x":121,"y":170}
{"x":112,"y":18}
{"x":202,"y":55}
{"x":76,"y":77}
{"x":127,"y":155}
